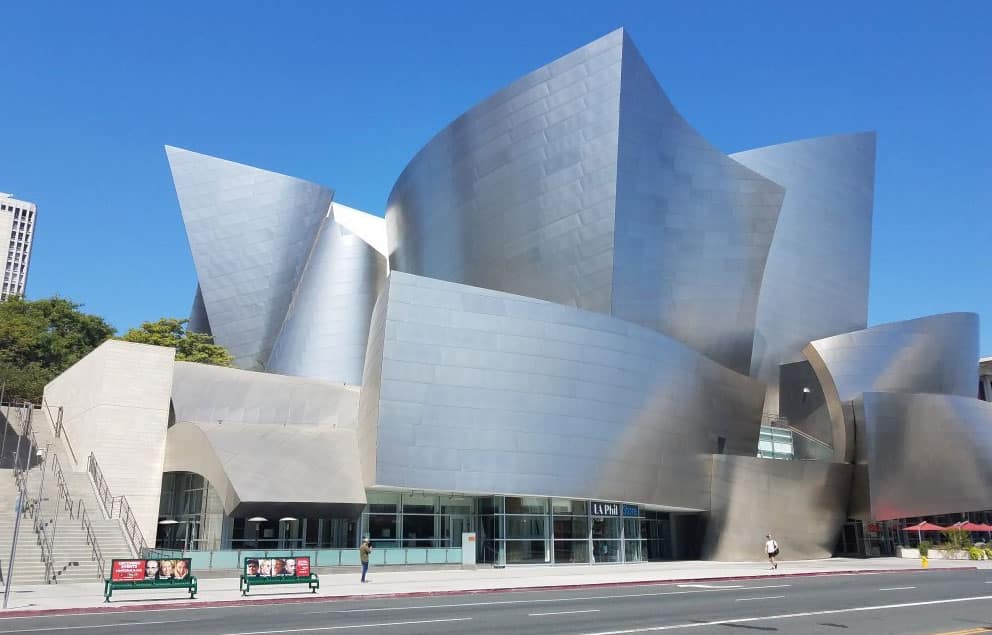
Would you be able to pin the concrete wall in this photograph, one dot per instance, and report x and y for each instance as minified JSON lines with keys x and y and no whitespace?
{"x":116,"y":405}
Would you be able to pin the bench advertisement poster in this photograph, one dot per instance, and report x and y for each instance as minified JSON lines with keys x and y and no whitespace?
{"x":145,"y":570}
{"x":277,"y":567}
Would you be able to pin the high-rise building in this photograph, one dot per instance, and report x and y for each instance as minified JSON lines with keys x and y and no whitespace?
{"x":17,"y":220}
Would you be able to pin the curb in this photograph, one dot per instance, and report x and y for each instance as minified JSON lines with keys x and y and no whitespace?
{"x":160,"y":606}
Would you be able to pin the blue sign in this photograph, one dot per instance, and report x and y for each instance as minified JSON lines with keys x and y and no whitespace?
{"x":631,"y":510}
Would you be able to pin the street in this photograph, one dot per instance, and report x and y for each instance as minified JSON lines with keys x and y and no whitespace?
{"x":923,"y":603}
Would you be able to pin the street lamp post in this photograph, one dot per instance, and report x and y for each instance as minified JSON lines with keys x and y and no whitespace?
{"x":258,"y":520}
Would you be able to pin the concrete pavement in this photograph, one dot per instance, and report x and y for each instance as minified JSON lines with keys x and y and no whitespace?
{"x":86,"y":597}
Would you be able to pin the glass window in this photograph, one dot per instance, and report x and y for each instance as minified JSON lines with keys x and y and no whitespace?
{"x":419,"y":504}
{"x":525,"y":526}
{"x":631,"y":528}
{"x":383,"y":502}
{"x":606,"y":550}
{"x":573,"y":527}
{"x":567,"y":507}
{"x":571,"y":551}
{"x":525,"y":551}
{"x":457,"y":505}
{"x":493,"y":505}
{"x":632,"y":550}
{"x":526,"y":505}
{"x":382,"y":526}
{"x":608,"y":528}
{"x":418,"y":531}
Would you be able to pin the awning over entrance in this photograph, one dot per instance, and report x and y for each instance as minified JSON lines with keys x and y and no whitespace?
{"x":305,"y":469}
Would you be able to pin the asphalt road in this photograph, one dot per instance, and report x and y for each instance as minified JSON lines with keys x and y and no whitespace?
{"x":923,"y":603}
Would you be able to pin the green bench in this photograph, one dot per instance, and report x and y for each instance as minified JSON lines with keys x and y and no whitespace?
{"x":277,"y":570}
{"x":132,"y":575}
{"x":189,"y":583}
{"x":249,"y":581}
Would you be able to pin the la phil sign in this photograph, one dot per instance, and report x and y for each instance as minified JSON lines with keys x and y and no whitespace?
{"x":605,"y":509}
{"x":615,"y":509}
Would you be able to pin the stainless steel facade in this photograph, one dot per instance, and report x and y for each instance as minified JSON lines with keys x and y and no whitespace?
{"x":815,"y":282}
{"x":518,"y":194}
{"x":286,"y":282}
{"x":692,"y":228}
{"x":327,"y":325}
{"x":580,"y":184}
{"x":922,"y":455}
{"x":803,"y":504}
{"x":935,"y":354}
{"x":482,"y":391}
{"x":250,"y":232}
{"x":588,"y":301}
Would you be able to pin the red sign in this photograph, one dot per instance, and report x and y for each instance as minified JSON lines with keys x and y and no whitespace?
{"x":302,"y":567}
{"x":127,"y":570}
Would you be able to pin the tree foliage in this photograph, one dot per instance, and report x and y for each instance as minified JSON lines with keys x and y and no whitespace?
{"x":190,"y":346}
{"x":39,"y":339}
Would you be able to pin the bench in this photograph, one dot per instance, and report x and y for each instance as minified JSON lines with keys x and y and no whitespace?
{"x":189,"y":583}
{"x":247,"y":582}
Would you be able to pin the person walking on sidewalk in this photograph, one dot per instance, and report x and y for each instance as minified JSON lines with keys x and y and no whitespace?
{"x":365,"y":550}
{"x":771,"y":548}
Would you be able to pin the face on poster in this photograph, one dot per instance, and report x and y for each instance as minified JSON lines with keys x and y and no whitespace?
{"x":277,"y":567}
{"x":137,"y":570}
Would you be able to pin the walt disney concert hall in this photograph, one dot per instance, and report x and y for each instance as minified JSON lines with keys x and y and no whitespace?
{"x":581,"y":331}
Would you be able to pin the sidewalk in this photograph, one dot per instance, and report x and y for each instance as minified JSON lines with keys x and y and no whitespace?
{"x":88,"y":597}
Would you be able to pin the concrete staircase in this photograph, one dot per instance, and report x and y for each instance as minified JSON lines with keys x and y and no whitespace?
{"x":61,"y":516}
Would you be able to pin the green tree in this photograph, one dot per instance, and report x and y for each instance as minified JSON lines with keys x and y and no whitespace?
{"x":39,"y":339}
{"x":190,"y":346}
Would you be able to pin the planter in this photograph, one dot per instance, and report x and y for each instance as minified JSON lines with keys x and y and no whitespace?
{"x":908,"y":552}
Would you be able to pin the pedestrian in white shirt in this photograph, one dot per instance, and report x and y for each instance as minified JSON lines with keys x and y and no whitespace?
{"x":771,"y":548}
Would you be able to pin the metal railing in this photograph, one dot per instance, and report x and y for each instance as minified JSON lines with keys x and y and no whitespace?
{"x":120,"y":503}
{"x":33,"y":506}
{"x":59,"y":428}
{"x":45,"y":528}
{"x":87,"y":526}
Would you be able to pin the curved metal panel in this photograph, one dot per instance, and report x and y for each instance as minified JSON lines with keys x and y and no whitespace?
{"x":924,"y":454}
{"x":250,"y":232}
{"x":815,"y":282}
{"x":693,"y":227}
{"x":327,"y":325}
{"x":481,"y":391}
{"x":803,"y":504}
{"x":934,"y":354}
{"x":517,"y":194}
{"x":580,"y":184}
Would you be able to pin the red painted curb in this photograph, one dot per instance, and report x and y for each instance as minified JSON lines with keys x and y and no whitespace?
{"x":163,"y":606}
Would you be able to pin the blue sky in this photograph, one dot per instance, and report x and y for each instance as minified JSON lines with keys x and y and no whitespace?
{"x":344,"y":94}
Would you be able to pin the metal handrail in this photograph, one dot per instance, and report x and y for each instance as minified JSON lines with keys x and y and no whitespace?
{"x":59,"y":428}
{"x":40,"y":528}
{"x":109,"y":501}
{"x":798,"y":432}
{"x":87,"y":525}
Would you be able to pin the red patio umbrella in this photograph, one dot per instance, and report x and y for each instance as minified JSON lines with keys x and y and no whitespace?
{"x":924,"y":526}
{"x":984,"y":527}
{"x":967,"y":525}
